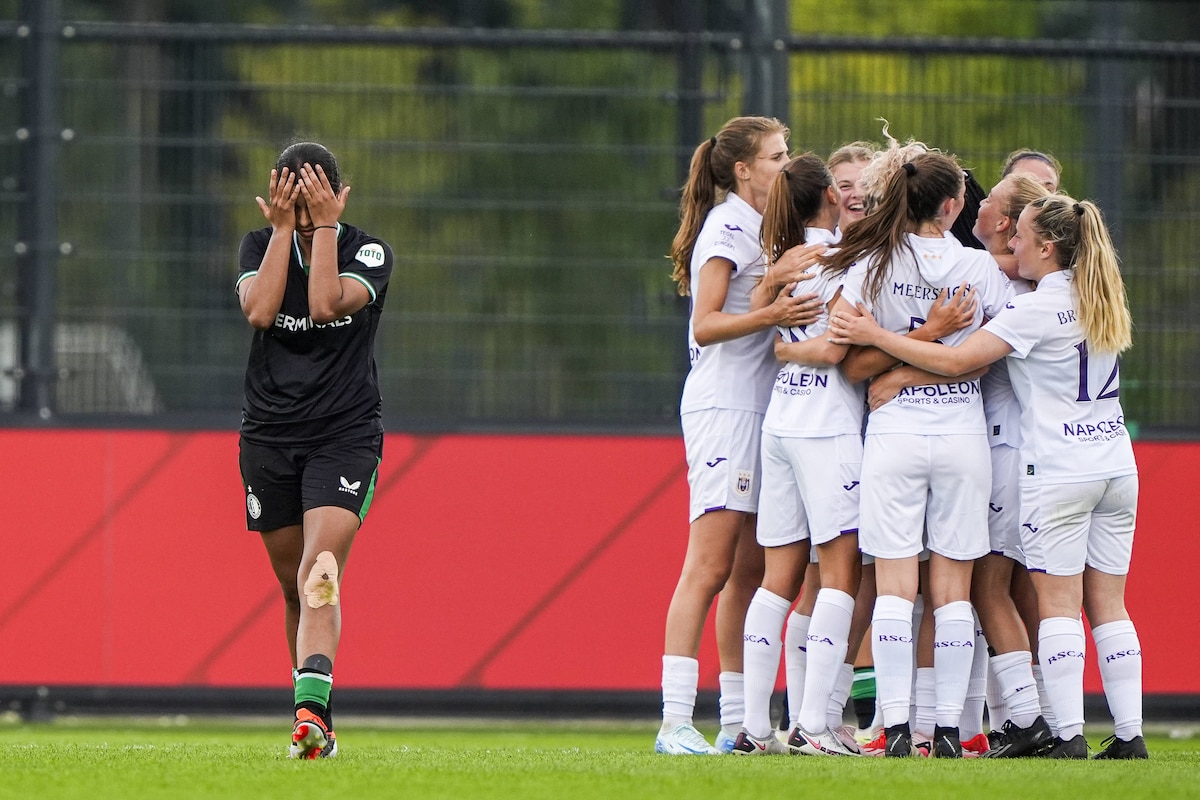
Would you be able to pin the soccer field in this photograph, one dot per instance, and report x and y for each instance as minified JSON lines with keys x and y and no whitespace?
{"x":176,"y":758}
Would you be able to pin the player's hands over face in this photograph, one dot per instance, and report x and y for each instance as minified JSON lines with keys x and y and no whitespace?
{"x":280,"y":206}
{"x":324,"y":206}
{"x":790,"y":312}
{"x":951,"y":312}
{"x":849,"y":328}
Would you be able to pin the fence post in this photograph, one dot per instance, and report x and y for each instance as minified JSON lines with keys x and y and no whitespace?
{"x":37,"y":224}
{"x":766,"y":72}
{"x":1106,"y":84}
{"x":689,"y":16}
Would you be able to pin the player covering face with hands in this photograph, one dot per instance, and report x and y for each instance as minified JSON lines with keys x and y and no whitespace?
{"x":313,"y":289}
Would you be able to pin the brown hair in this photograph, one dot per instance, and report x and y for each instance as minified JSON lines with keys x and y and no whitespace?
{"x":795,"y":198}
{"x":710,"y":179}
{"x":913,"y":194}
{"x":1012,"y":158}
{"x":883,"y":165}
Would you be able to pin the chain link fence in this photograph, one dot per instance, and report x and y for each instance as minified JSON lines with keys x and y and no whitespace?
{"x":528,"y":184}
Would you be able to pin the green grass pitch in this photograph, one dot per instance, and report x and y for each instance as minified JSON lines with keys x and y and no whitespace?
{"x":212,"y":758}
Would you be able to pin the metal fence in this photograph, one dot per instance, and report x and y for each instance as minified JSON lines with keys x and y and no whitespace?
{"x":527,"y":182}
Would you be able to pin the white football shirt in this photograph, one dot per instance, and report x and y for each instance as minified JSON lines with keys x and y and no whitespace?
{"x":736,"y":374}
{"x":912,"y":285}
{"x":1072,"y":424}
{"x":814,"y":400}
{"x":1000,"y":405}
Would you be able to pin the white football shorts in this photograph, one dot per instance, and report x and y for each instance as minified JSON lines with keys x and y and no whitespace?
{"x":723,"y":449}
{"x":1066,"y":526}
{"x":925,"y":490}
{"x":810,"y":488}
{"x":1004,"y":506}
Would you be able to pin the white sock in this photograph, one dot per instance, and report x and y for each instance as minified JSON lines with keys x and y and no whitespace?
{"x":1120,"y":655}
{"x":918,"y":619}
{"x":1044,"y":699}
{"x":892,"y":649}
{"x":836,"y":711}
{"x":996,"y":711}
{"x":1061,"y":648}
{"x":953,"y":652}
{"x":971,"y":723}
{"x":680,"y":677}
{"x":760,"y":659}
{"x":1015,"y":683}
{"x":732,"y":701}
{"x":827,"y":636}
{"x":795,"y":663}
{"x":924,"y":715}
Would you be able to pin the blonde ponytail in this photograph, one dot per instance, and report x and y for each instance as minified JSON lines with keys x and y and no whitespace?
{"x":1082,"y":244}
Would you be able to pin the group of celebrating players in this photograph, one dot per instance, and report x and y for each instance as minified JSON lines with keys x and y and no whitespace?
{"x":903,"y":430}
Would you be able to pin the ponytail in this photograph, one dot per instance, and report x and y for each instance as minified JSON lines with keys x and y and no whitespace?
{"x":1103,"y":305}
{"x":1082,"y":244}
{"x":912,"y":195}
{"x":710,"y":178}
{"x":793,"y":202}
{"x":699,"y":197}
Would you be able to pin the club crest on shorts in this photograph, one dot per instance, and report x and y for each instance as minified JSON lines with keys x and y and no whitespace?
{"x":253,"y":507}
{"x":745,"y":479}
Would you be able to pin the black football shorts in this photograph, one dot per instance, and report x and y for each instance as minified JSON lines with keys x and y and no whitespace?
{"x":281,"y":483}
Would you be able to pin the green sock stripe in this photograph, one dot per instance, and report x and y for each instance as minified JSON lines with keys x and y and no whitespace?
{"x":366,"y":506}
{"x":863,"y":686}
{"x":313,"y":688}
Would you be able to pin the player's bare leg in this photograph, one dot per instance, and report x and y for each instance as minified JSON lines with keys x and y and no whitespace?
{"x":712,"y":544}
{"x":328,"y":533}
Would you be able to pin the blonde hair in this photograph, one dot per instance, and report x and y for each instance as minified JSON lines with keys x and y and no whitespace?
{"x":1023,"y":191}
{"x":710,"y":179}
{"x":850,"y":154}
{"x":1082,"y":244}
{"x":914,"y":194}
{"x":883,"y":164}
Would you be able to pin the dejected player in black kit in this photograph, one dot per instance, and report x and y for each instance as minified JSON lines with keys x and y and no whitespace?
{"x":313,"y":289}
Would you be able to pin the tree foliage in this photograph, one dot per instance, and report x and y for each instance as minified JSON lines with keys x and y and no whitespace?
{"x":530,"y":193}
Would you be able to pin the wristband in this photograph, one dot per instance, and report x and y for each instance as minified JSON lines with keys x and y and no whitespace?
{"x":318,"y":227}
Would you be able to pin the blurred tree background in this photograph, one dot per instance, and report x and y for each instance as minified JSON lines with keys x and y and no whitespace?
{"x":523,"y":159}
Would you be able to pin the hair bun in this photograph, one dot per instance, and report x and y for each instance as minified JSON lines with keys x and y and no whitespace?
{"x":910,"y":168}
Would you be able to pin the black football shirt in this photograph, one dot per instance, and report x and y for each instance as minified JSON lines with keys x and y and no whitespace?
{"x":309,"y":383}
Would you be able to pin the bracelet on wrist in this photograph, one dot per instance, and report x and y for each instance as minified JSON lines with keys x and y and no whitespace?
{"x":319,"y":227}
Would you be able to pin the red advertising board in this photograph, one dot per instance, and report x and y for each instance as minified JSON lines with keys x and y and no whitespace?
{"x":507,"y":562}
